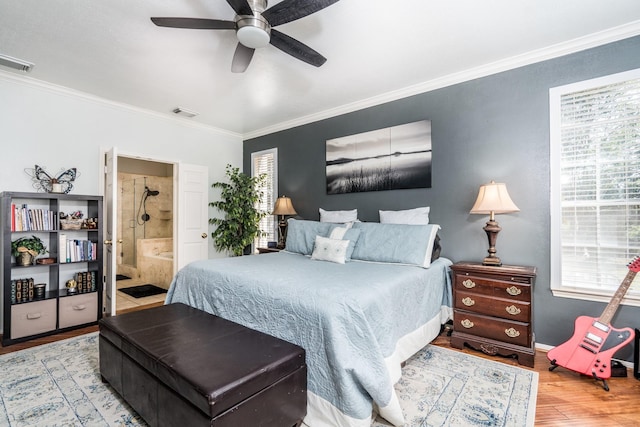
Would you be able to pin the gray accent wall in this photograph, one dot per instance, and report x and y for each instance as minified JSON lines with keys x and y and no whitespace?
{"x":491,"y":128}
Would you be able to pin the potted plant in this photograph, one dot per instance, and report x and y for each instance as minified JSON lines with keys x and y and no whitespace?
{"x":25,"y":249}
{"x":239,"y":199}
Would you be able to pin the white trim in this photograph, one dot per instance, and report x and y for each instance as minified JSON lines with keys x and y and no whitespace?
{"x":555,"y":95}
{"x":65,"y":91}
{"x":581,"y":43}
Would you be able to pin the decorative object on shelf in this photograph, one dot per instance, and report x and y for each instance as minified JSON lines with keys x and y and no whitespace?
{"x":493,"y":198}
{"x":62,"y":183}
{"x":45,"y":261}
{"x":26,"y":249}
{"x":239,"y":198}
{"x":39,"y":290}
{"x":72,"y":221}
{"x":282,"y":208}
{"x":72,"y":286}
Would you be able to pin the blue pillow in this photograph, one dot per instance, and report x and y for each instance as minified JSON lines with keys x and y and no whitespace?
{"x":301,"y":235}
{"x":395,"y":243}
{"x":345,"y":233}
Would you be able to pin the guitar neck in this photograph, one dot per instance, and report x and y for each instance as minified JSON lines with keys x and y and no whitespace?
{"x":612,"y":307}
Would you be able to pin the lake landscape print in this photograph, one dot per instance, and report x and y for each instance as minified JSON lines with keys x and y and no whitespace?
{"x":385,"y":159}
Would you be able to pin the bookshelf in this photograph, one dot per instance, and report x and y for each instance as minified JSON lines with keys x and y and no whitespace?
{"x":63,"y":291}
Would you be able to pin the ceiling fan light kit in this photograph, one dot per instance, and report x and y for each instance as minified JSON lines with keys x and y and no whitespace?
{"x":254,"y":28}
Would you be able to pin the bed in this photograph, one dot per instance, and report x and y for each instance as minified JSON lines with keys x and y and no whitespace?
{"x":358,"y":315}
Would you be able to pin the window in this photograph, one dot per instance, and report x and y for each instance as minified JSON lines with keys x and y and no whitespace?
{"x":595,"y":186}
{"x":266,"y":162}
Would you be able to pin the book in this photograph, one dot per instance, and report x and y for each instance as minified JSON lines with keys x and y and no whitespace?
{"x":62,"y":248}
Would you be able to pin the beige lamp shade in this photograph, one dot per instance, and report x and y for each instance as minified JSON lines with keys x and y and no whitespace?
{"x":284,"y":207}
{"x":493,"y":198}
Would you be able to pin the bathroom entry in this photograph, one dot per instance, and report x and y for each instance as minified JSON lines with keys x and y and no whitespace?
{"x":144,"y":251}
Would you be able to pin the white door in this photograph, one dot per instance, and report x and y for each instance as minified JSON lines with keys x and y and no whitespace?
{"x":193,"y":207}
{"x":110,"y":230}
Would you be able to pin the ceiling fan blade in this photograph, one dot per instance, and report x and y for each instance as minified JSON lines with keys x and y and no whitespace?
{"x":195,"y":23}
{"x":296,"y":49}
{"x":241,"y":58}
{"x":241,"y":7}
{"x":290,"y":10}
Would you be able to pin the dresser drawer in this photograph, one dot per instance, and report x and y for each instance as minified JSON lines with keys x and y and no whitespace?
{"x":33,"y":318}
{"x":492,"y":287}
{"x":491,"y":327}
{"x":78,"y":309}
{"x":499,"y":307}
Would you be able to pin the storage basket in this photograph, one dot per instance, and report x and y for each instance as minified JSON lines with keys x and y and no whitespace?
{"x":70,"y":224}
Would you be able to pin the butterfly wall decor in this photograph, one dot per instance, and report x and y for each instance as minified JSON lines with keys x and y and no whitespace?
{"x":62,"y":183}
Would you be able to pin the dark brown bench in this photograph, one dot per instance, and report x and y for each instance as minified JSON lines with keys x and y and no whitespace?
{"x":179,"y":366}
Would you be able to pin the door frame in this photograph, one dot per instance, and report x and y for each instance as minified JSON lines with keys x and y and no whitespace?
{"x":110,"y":281}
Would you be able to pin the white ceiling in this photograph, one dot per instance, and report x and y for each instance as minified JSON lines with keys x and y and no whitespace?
{"x":376,"y":51}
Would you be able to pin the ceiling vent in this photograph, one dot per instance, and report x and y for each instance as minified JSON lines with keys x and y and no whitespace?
{"x":185,"y":113}
{"x":16,"y":64}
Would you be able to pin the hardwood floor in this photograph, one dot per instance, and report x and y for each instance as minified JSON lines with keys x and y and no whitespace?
{"x":564,"y":398}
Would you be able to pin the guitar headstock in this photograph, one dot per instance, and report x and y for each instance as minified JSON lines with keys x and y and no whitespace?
{"x":634,"y":265}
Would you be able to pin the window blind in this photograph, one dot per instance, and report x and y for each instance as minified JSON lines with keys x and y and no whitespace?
{"x":265,"y":162}
{"x":599,"y":185}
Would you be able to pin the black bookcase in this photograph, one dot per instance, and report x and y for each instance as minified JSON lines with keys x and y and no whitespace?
{"x":59,"y":308}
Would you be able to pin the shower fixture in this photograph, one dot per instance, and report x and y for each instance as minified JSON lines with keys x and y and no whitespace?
{"x":143,"y":203}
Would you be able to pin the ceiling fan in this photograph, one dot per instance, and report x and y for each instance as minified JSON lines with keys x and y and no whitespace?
{"x":254,"y":28}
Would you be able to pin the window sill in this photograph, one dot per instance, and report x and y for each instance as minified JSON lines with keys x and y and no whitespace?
{"x":590,"y":295}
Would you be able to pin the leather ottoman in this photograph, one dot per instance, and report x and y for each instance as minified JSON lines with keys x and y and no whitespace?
{"x":179,"y":366}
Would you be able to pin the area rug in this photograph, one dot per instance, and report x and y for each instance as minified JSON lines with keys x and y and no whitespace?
{"x":59,"y":384}
{"x":141,"y":291}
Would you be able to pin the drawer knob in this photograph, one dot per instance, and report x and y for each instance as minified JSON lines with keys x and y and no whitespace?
{"x":468,"y":301}
{"x":512,"y":309}
{"x":79,"y":307}
{"x":469,"y":284}
{"x":512,"y":333}
{"x":467,"y":323}
{"x":32,"y":316}
{"x":514,"y":290}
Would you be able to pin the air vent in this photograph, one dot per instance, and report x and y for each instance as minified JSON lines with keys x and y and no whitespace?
{"x":183,"y":112}
{"x":15,"y":63}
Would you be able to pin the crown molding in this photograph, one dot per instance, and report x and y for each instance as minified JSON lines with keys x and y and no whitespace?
{"x":561,"y":49}
{"x":72,"y":93}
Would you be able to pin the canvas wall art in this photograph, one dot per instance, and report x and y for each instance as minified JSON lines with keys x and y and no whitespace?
{"x":393,"y":158}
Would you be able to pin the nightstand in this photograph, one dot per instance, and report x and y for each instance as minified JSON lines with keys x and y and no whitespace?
{"x":268,"y":250}
{"x":493,"y":309}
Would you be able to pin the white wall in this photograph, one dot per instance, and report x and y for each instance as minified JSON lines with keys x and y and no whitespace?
{"x":57,"y":128}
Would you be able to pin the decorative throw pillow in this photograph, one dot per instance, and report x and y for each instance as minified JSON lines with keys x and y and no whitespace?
{"x":340,"y":217}
{"x":333,"y":250}
{"x":407,"y":216}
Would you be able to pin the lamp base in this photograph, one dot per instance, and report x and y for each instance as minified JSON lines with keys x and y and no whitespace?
{"x":492,"y":261}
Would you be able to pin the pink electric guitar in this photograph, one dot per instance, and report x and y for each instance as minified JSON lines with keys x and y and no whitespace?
{"x":594,"y":340}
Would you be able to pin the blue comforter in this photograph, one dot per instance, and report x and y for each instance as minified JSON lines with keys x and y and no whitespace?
{"x":348,"y":317}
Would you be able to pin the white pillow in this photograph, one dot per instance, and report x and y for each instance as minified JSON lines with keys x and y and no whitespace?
{"x":333,"y":250}
{"x":407,"y":216}
{"x":338,"y":216}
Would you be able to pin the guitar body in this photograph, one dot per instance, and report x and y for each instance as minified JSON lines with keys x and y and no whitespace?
{"x":590,"y":349}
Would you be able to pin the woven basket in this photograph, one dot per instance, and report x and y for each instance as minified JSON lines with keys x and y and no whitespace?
{"x":70,"y":224}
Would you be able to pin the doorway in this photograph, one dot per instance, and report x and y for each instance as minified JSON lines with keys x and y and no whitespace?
{"x":145,"y":233}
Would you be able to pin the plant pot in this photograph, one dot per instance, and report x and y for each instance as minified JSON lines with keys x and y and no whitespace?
{"x":25,"y":259}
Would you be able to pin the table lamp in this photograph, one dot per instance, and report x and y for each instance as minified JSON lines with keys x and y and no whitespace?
{"x":493,"y":198}
{"x":282,"y":208}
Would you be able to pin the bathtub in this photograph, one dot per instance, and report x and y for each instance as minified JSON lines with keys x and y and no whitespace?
{"x":155,"y":261}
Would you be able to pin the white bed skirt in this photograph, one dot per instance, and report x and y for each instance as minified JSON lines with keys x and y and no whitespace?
{"x":321,"y":413}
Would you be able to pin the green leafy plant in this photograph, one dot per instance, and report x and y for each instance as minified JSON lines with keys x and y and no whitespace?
{"x":34,"y":245}
{"x":239,"y":198}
